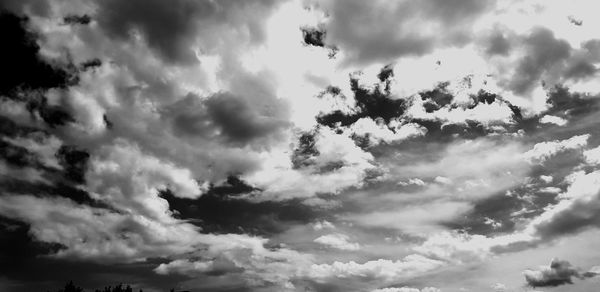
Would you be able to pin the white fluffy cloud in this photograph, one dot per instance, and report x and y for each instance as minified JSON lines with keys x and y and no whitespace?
{"x":544,"y":150}
{"x":338,"y":241}
{"x":592,"y":156}
{"x":339,"y":165}
{"x":379,"y":132}
{"x":381,"y":269}
{"x":550,"y":119}
{"x":124,"y":176}
{"x":99,"y":234}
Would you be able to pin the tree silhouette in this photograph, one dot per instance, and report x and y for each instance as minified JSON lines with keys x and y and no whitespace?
{"x":70,"y":287}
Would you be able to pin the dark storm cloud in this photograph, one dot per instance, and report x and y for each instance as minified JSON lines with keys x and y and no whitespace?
{"x":90,"y":64}
{"x":172,"y":28}
{"x":574,"y":20}
{"x":565,"y":103}
{"x":221,"y":210}
{"x":543,"y":51}
{"x":436,"y":98}
{"x":77,"y":19}
{"x":74,"y":161}
{"x":547,"y":60}
{"x":557,"y":274}
{"x":388,"y":31}
{"x":306,"y":150}
{"x":313,"y":36}
{"x":232,"y":118}
{"x":372,"y":103}
{"x":240,"y":122}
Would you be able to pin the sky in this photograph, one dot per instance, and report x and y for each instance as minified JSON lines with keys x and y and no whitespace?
{"x":300,"y":145}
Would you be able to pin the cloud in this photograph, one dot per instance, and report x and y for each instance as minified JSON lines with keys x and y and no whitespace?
{"x":545,"y":150}
{"x":338,"y":241}
{"x":407,"y":289}
{"x":182,"y":28}
{"x":543,"y":52}
{"x":456,"y":247}
{"x":223,"y":209}
{"x":387,"y":32}
{"x":246,"y":258}
{"x":557,"y":274}
{"x":97,"y":234}
{"x":576,"y":210}
{"x":126,"y":177}
{"x":385,"y":270}
{"x":378,"y":131}
{"x":550,"y":119}
{"x":323,"y":225}
{"x":228,"y":117}
{"x":592,"y":156}
{"x":499,"y":287}
{"x":339,"y":164}
{"x":184,"y":267}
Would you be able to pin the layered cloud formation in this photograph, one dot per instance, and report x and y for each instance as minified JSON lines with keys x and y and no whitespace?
{"x":317,"y":145}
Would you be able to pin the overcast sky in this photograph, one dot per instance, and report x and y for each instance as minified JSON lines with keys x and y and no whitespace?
{"x":300,"y":145}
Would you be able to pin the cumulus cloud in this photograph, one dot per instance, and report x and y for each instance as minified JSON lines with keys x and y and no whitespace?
{"x":545,"y":150}
{"x":381,"y":269}
{"x":122,"y":175}
{"x":338,"y":241}
{"x":377,"y":131}
{"x":339,"y":164}
{"x":576,"y":210}
{"x":550,"y":119}
{"x":557,"y":274}
{"x":98,"y":234}
{"x":320,"y":225}
{"x":592,"y":156}
{"x":231,"y":253}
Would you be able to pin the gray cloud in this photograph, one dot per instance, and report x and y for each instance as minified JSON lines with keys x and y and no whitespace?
{"x":499,"y":42}
{"x":389,"y":31}
{"x":543,"y":51}
{"x":557,"y":274}
{"x":176,"y":28}
{"x":229,"y":117}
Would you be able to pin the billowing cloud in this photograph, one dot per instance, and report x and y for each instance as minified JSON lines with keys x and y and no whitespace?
{"x":545,"y":150}
{"x":385,"y":270}
{"x":558,"y":273}
{"x":316,"y":145}
{"x":338,"y":241}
